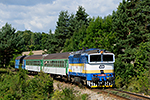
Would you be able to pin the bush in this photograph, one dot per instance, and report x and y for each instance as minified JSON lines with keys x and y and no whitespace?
{"x":68,"y":94}
{"x":20,"y":86}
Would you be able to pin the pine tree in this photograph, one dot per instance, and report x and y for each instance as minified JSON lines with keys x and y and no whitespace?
{"x":9,"y":43}
{"x":78,"y":26}
{"x":129,"y":23}
{"x":61,"y":31}
{"x":51,"y":43}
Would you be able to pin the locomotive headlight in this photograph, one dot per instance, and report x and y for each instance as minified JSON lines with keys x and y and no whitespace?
{"x":101,"y":52}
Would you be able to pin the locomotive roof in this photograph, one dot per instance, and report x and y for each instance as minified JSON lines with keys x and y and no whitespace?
{"x":34,"y":57}
{"x":57,"y":56}
{"x":89,"y":51}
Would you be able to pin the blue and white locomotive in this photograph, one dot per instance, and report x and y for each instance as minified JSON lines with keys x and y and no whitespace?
{"x":93,"y":67}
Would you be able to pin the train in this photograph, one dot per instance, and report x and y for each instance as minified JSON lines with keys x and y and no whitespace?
{"x":92,"y":67}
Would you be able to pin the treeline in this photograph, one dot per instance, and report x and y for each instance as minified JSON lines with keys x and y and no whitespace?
{"x":126,"y":33}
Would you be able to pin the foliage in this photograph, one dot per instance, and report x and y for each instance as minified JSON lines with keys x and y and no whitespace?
{"x":68,"y":94}
{"x":132,"y":41}
{"x":99,"y":34}
{"x":9,"y":41}
{"x":20,"y":86}
{"x":31,"y":53}
{"x":79,"y":24}
{"x":72,"y":44}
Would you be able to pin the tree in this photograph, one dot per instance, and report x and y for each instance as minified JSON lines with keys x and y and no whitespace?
{"x":44,"y":40}
{"x":78,"y":24}
{"x":51,"y":43}
{"x":72,"y":44}
{"x":129,"y":23}
{"x":9,"y":43}
{"x":99,"y":34}
{"x":61,"y":31}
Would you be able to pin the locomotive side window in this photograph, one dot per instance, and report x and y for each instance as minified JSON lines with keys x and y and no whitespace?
{"x":107,"y":57}
{"x":95,"y":58}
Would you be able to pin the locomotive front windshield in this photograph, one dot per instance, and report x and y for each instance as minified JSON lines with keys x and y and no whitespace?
{"x":101,"y":58}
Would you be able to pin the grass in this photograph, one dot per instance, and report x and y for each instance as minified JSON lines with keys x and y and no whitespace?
{"x":3,"y":70}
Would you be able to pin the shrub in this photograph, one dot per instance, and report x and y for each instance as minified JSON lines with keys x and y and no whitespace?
{"x":20,"y":86}
{"x":68,"y":94}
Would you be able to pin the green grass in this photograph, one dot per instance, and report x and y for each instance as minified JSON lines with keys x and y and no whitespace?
{"x":3,"y":70}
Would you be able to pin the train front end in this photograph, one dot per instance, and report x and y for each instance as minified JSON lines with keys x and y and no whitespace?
{"x":100,"y":69}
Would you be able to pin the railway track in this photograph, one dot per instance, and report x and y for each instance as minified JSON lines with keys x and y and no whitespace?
{"x":122,"y":95}
{"x":112,"y":92}
{"x":132,"y":96}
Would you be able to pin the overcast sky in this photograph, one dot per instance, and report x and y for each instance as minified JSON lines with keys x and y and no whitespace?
{"x":42,"y":15}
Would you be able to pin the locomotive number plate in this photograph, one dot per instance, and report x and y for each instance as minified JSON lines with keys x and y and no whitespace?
{"x":101,"y":67}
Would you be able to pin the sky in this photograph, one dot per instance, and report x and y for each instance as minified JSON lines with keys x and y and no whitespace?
{"x":42,"y":15}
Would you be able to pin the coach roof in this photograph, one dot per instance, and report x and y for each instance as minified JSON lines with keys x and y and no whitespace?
{"x":34,"y":57}
{"x":58,"y":56}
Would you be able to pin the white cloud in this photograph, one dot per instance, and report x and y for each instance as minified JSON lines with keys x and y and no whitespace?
{"x":42,"y":17}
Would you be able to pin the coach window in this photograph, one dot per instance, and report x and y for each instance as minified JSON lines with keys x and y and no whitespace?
{"x":48,"y":63}
{"x":54,"y":63}
{"x":28,"y":62}
{"x":59,"y":63}
{"x":34,"y":62}
{"x":45,"y":63}
{"x":62,"y":63}
{"x":38,"y":63}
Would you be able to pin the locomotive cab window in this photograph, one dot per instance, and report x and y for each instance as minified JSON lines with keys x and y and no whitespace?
{"x":107,"y":57}
{"x":95,"y":58}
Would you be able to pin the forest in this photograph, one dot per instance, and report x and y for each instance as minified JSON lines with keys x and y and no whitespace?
{"x":126,"y":33}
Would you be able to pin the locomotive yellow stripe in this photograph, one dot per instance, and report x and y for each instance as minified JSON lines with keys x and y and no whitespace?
{"x":76,"y":64}
{"x":97,"y":71}
{"x":102,"y":86}
{"x":94,"y":71}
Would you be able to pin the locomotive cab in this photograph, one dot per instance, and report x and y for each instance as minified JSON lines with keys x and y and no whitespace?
{"x":103,"y":73}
